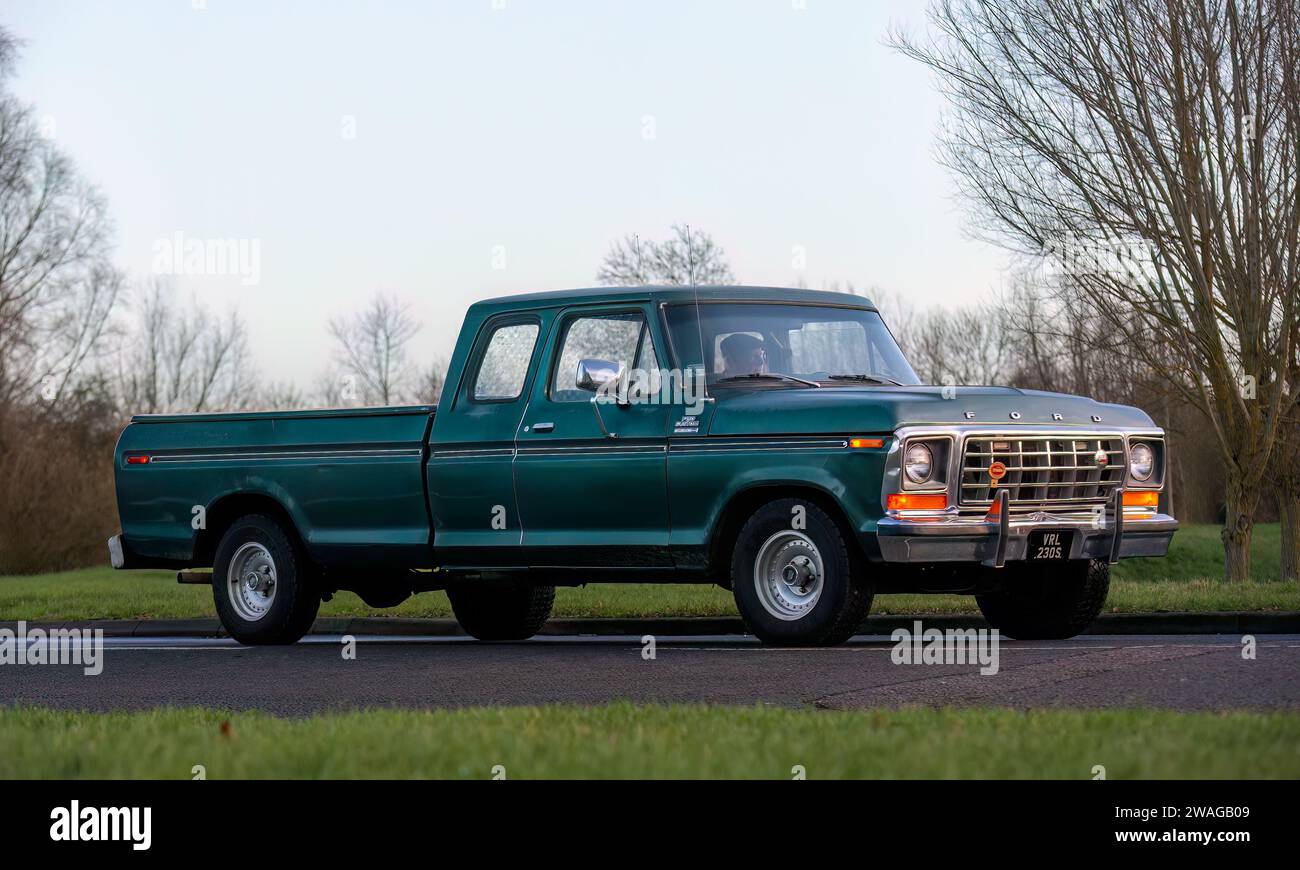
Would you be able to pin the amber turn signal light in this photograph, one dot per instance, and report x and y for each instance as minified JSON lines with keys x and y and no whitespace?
{"x":858,"y":443}
{"x":1141,"y":499}
{"x":904,"y":501}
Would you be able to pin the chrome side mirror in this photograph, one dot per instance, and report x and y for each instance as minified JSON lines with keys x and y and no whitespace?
{"x":596,"y":373}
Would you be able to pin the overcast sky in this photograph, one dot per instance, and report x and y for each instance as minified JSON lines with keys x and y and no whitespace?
{"x":449,"y":150}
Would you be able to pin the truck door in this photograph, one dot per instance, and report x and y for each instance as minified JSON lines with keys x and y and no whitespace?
{"x":471,"y":482}
{"x":587,"y":498}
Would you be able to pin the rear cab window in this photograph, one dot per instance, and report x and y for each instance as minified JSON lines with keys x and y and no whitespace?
{"x":503,"y":366}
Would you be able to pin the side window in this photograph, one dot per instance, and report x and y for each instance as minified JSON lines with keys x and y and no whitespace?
{"x":611,"y":337}
{"x":504,"y":368}
{"x":649,"y":360}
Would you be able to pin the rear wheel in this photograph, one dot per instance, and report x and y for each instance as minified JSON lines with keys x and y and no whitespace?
{"x":1048,"y":603}
{"x":261,"y":584}
{"x":491,"y":611}
{"x":795,"y":577}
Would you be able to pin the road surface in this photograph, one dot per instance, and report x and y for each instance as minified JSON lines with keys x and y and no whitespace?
{"x":1187,"y":673}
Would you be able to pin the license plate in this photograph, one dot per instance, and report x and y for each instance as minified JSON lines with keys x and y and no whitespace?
{"x":1049,"y":546}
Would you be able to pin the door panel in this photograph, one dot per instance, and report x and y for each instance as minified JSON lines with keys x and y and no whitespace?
{"x":587,"y":498}
{"x":471,"y":480}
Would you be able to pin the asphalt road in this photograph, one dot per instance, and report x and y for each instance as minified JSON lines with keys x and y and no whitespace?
{"x":1188,"y":673}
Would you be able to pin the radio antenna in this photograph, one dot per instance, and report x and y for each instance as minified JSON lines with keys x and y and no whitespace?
{"x":636,"y":246}
{"x":699,"y":325}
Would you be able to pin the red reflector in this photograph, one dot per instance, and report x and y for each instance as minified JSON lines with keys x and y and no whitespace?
{"x":858,"y":443}
{"x":902,"y":501}
{"x":137,"y":460}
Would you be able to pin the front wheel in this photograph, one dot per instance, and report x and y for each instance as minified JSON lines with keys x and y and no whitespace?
{"x":1048,"y":603}
{"x":491,"y":611}
{"x":262,"y":585}
{"x":795,"y":577}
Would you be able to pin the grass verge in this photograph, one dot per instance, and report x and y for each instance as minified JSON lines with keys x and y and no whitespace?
{"x":624,"y":740}
{"x":1186,"y":581}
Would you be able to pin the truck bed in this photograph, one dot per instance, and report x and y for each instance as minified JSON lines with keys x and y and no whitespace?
{"x":351,"y":480}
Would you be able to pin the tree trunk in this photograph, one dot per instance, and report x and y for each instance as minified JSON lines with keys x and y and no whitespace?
{"x":1238,"y":524}
{"x":1288,"y":512}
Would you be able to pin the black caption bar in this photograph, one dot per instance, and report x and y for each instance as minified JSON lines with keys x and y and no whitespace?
{"x":306,"y":819}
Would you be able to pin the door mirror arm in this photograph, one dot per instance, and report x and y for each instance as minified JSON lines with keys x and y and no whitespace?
{"x":600,"y":421}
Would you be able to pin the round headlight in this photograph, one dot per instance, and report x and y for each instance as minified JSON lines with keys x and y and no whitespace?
{"x":919,"y":463}
{"x":1141,"y":462}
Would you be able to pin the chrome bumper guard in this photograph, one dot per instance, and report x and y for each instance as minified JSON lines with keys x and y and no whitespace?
{"x":116,"y":555}
{"x":949,"y":537}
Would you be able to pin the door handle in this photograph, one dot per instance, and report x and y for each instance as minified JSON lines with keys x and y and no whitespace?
{"x":543,"y":427}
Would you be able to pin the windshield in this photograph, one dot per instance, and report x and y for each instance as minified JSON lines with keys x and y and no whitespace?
{"x":744,"y":342}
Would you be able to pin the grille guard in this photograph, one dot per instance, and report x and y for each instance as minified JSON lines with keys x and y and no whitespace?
{"x":975,"y":533}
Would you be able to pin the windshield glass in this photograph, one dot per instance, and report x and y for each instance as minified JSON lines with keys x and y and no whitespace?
{"x":742,"y":340}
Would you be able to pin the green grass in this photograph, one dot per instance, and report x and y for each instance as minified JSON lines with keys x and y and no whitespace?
{"x":624,"y":740}
{"x":1197,"y":554}
{"x":1186,"y":580}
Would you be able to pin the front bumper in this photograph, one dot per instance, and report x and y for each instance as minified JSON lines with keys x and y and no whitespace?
{"x":994,"y":542}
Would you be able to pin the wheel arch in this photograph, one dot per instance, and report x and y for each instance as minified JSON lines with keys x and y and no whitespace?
{"x":226,"y":510}
{"x":742,"y":505}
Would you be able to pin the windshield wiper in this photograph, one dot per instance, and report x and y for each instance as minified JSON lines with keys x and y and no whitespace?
{"x":877,"y":379}
{"x":761,"y":375}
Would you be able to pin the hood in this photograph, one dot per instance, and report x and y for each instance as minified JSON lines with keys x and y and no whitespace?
{"x":874,"y":409}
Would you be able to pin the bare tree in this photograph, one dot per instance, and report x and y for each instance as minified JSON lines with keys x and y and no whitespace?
{"x":1149,"y":147}
{"x":183,"y":358}
{"x":960,"y":346}
{"x":897,"y":312}
{"x":1286,"y":471}
{"x":689,"y":257}
{"x":432,"y":379}
{"x":57,"y":286}
{"x":1286,"y":495}
{"x":280,"y":396}
{"x":371,"y":348}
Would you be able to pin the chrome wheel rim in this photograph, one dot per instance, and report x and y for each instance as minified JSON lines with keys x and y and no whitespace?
{"x":251,"y":581}
{"x":789,"y":575}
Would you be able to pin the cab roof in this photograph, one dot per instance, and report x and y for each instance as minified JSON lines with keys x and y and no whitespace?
{"x":668,"y":293}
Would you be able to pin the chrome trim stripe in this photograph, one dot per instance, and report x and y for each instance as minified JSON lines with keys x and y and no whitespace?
{"x":688,"y":445}
{"x":681,"y":445}
{"x":265,"y":456}
{"x":539,"y":450}
{"x":473,"y":452}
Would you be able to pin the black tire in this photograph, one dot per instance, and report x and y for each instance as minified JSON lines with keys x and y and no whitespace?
{"x":292,"y":609}
{"x":497,"y":611}
{"x":844,"y":597}
{"x":1037,"y":602}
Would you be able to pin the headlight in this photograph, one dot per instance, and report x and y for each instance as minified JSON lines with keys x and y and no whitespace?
{"x":1141,"y":462}
{"x":919,"y":463}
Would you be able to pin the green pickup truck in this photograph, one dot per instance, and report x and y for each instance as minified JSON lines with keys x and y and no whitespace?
{"x":772,"y":441}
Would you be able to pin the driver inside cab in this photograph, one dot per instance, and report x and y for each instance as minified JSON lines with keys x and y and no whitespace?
{"x":743,"y":354}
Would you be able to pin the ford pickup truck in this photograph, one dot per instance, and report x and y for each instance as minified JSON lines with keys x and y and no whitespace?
{"x":773,"y":441}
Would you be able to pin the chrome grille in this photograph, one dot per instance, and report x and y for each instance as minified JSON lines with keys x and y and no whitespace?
{"x":1044,"y":470}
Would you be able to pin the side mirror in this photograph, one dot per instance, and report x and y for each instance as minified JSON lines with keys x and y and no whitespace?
{"x":596,"y":373}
